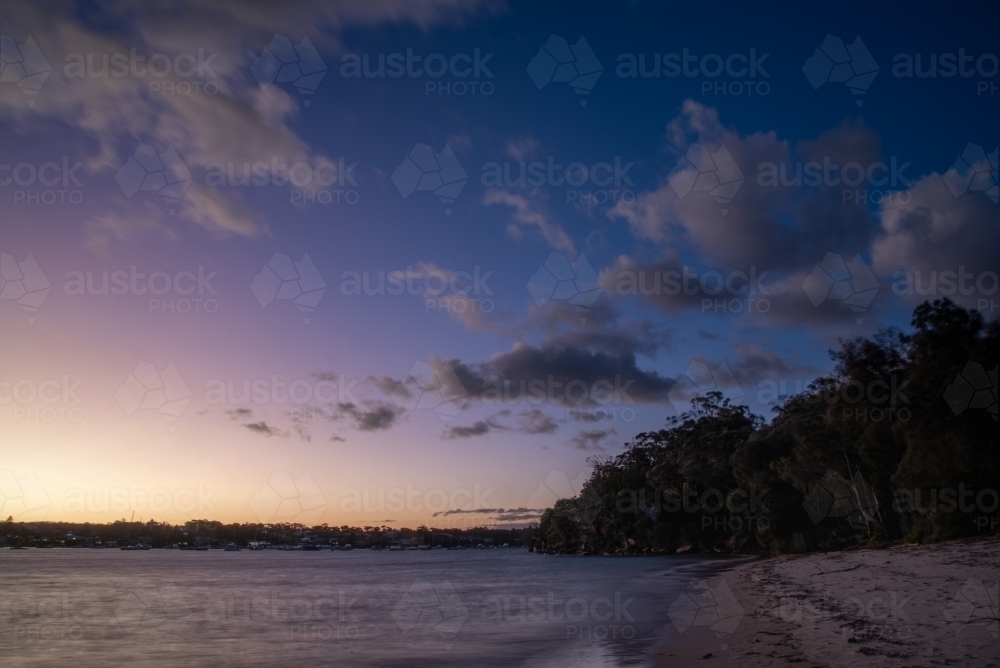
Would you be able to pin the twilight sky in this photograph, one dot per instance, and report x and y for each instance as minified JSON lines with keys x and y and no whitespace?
{"x":280,"y":264}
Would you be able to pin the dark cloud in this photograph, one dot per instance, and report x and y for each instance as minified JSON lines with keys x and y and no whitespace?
{"x":477,"y":428}
{"x":529,"y":421}
{"x":775,"y":227}
{"x":754,"y":364}
{"x":239,"y":413}
{"x":535,"y":421}
{"x":266,"y":429}
{"x":498,"y":514}
{"x":574,"y":364}
{"x":933,"y":231}
{"x":388,"y":386}
{"x":374,"y":416}
{"x":591,"y":439}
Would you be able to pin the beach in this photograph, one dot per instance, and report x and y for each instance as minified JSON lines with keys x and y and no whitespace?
{"x":905,"y":605}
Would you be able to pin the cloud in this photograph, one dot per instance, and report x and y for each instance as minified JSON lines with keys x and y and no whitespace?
{"x":497,"y":515}
{"x":754,"y":364}
{"x":597,"y":361}
{"x":388,"y":385}
{"x":529,"y":421}
{"x":534,"y":421}
{"x":477,"y":428}
{"x":930,"y":231}
{"x":513,"y":375}
{"x":530,"y":215}
{"x":774,"y":227}
{"x":266,"y":429}
{"x":241,"y":122}
{"x":591,"y":439}
{"x":375,"y":416}
{"x":239,"y":413}
{"x":522,"y":148}
{"x":462,"y":295}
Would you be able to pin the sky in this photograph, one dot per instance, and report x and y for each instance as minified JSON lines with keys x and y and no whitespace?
{"x":418,"y":262}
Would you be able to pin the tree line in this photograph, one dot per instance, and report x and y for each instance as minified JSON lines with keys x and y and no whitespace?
{"x":899,"y":441}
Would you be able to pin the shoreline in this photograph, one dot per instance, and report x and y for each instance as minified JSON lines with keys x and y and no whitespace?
{"x":902,"y":605}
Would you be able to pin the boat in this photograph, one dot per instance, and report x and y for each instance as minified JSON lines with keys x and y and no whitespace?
{"x":231,"y":547}
{"x":132,"y":547}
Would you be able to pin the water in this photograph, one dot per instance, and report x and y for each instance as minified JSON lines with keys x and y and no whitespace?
{"x":78,"y":607}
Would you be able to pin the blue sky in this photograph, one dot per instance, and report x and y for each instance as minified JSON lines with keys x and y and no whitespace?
{"x":216,"y":111}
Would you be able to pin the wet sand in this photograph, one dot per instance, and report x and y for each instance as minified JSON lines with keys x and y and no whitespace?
{"x":906,"y":605}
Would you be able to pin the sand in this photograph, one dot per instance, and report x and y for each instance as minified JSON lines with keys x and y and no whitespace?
{"x":907,"y":605}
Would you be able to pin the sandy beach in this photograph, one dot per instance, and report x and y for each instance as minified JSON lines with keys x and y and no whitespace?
{"x":906,"y":605}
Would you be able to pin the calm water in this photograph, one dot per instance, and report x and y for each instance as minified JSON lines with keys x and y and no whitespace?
{"x":66,"y":607}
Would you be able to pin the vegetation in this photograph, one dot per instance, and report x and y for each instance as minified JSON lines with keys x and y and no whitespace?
{"x":216,"y":534}
{"x":892,"y":445}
